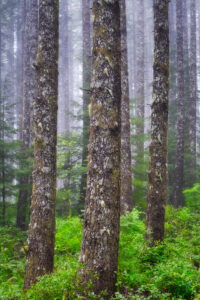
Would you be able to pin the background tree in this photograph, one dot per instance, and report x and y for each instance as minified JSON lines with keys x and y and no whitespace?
{"x":86,"y":16}
{"x":179,"y":162}
{"x":126,"y":172}
{"x":29,"y":94}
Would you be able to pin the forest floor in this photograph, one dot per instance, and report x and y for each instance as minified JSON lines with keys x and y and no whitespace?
{"x":171,"y":270}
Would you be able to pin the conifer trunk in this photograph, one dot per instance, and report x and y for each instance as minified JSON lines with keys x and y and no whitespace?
{"x":29,"y":94}
{"x":40,"y":249}
{"x":99,"y":252}
{"x":157,"y":175}
{"x":86,"y":92}
{"x":126,"y":173}
{"x":179,"y":163}
{"x":193,"y":95}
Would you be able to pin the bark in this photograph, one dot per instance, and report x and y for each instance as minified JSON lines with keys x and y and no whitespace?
{"x":157,"y":175}
{"x":20,"y":109}
{"x":40,"y":249}
{"x":139,"y":99}
{"x":86,"y":16}
{"x":193,"y":95}
{"x":64,"y":69}
{"x":125,"y":172}
{"x":139,"y":109}
{"x":29,"y":93}
{"x":179,"y":162}
{"x":99,"y":252}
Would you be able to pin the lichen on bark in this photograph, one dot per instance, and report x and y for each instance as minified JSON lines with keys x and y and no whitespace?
{"x":40,"y":252}
{"x":157,"y":174}
{"x":99,"y":251}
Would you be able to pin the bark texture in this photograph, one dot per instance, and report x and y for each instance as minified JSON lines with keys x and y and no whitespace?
{"x":99,"y":252}
{"x":40,"y":249}
{"x":29,"y":94}
{"x":86,"y":91}
{"x":157,"y":175}
{"x":126,"y":174}
{"x":179,"y":162}
{"x":193,"y":95}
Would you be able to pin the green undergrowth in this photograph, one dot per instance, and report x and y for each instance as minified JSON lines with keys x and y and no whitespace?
{"x":171,"y":270}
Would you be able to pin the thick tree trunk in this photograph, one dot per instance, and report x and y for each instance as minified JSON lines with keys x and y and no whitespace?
{"x":178,"y":199}
{"x":157,"y":183}
{"x":40,"y":250}
{"x":29,"y":93}
{"x":86,"y":92}
{"x":99,"y":252}
{"x":126,"y":199}
{"x":193,"y":95}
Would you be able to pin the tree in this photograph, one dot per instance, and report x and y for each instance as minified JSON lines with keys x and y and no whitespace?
{"x":29,"y":93}
{"x":86,"y":16}
{"x":193,"y":96}
{"x":40,"y":248}
{"x":125,"y":172}
{"x":99,"y":252}
{"x":157,"y":174}
{"x":139,"y":99}
{"x":179,"y":162}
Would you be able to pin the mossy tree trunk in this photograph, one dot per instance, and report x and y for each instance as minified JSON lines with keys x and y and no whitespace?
{"x":126,"y":199}
{"x":99,"y":252}
{"x":29,"y":93}
{"x":40,"y":249}
{"x":86,"y":13}
{"x":178,"y":199}
{"x":157,"y":174}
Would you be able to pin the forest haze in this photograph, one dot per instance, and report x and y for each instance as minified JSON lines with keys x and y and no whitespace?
{"x":99,"y":149}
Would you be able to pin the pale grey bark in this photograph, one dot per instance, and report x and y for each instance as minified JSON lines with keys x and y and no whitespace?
{"x":193,"y":95}
{"x":126,"y":172}
{"x":178,"y":199}
{"x":86,"y":17}
{"x":29,"y":95}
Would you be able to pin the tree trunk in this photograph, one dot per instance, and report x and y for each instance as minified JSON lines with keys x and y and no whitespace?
{"x":64,"y":69}
{"x":40,"y":249}
{"x":139,"y":99}
{"x":179,"y":162}
{"x":29,"y":93}
{"x":193,"y":96}
{"x":126,"y":172}
{"x":157,"y":181}
{"x":99,"y":252}
{"x":86,"y":92}
{"x":139,"y":107}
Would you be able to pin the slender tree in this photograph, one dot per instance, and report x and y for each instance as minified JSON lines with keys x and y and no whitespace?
{"x":193,"y":95}
{"x":86,"y":15}
{"x":157,"y":181}
{"x":139,"y":109}
{"x":29,"y":93}
{"x":126,"y":177}
{"x":179,"y":162}
{"x":40,"y":248}
{"x":99,"y":252}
